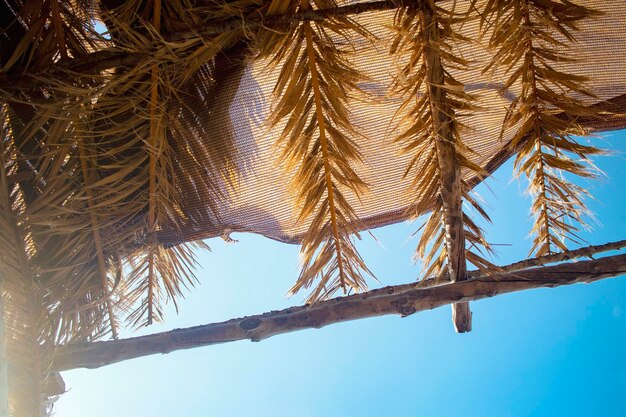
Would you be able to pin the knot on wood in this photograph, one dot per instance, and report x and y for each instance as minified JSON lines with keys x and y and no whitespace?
{"x":403,"y":307}
{"x":400,"y":302}
{"x":250,"y":324}
{"x":406,"y":310}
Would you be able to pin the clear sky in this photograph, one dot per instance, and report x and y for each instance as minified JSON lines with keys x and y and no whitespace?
{"x":546,"y":352}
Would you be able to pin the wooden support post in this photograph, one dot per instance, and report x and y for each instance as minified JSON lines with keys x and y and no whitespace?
{"x":450,"y":171}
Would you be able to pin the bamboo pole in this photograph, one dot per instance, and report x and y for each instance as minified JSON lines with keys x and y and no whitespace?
{"x":403,"y":300}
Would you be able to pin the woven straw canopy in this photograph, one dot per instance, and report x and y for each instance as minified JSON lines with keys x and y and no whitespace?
{"x":132,"y":130}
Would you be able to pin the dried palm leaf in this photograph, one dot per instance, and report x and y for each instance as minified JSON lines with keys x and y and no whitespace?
{"x":58,"y":217}
{"x":433,"y":100}
{"x":530,"y":39}
{"x":106,"y":179}
{"x":158,"y":273}
{"x":23,"y":320}
{"x":48,"y":30}
{"x":312,"y":94}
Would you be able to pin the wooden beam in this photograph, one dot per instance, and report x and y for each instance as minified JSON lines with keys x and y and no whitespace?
{"x":403,"y":300}
{"x":108,"y":58}
{"x":586,"y":252}
{"x":277,"y":21}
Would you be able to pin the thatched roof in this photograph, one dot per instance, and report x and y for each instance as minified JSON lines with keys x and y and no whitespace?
{"x":131,"y":130}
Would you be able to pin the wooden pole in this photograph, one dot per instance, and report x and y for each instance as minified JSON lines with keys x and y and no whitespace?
{"x":403,"y":300}
{"x":104,"y":59}
{"x":449,"y":167}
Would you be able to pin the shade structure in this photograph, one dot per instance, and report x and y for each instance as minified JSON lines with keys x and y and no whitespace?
{"x":133,"y":128}
{"x":231,"y":115}
{"x":262,"y":202}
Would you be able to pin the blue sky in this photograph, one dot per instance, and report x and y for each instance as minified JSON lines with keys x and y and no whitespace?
{"x":547,"y":352}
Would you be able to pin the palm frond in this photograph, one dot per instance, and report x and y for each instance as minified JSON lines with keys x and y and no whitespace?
{"x":312,"y":93}
{"x":97,"y":237}
{"x":433,"y":101}
{"x":49,"y":30}
{"x":159,"y":274}
{"x":59,"y":215}
{"x":23,"y":318}
{"x":96,"y":202}
{"x":530,"y":38}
